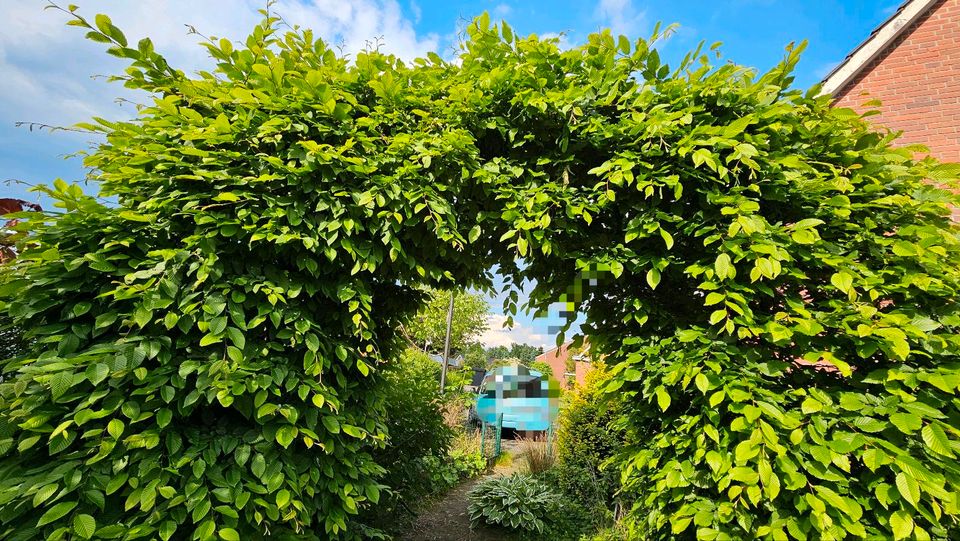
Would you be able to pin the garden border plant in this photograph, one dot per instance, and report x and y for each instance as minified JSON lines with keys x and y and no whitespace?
{"x":772,"y":283}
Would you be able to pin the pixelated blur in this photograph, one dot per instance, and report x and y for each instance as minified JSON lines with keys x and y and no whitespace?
{"x":569,"y":301}
{"x":527,"y":399}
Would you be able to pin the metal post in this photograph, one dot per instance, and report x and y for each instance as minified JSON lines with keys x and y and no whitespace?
{"x":499,"y":428}
{"x":446,"y":344}
{"x":483,"y":440}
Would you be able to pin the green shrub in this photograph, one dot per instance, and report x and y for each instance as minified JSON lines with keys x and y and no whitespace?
{"x":466,"y":455}
{"x":516,"y":502}
{"x":204,"y":357}
{"x":418,"y":439}
{"x":543,"y":367}
{"x":589,"y":434}
{"x":462,"y":461}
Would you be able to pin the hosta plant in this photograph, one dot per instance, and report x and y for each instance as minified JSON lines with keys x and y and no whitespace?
{"x":516,"y":502}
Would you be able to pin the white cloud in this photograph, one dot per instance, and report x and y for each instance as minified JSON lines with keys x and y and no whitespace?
{"x":497,"y":335}
{"x":502,"y":10}
{"x":47,"y":66}
{"x":417,"y":12}
{"x":563,"y":41}
{"x":620,"y":16}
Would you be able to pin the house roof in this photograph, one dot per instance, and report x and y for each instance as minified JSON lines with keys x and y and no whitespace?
{"x":879,"y":41}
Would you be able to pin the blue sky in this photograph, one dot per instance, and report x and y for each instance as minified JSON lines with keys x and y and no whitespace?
{"x":48,"y":71}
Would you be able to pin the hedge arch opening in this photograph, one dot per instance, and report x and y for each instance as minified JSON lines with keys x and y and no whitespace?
{"x":770,"y":280}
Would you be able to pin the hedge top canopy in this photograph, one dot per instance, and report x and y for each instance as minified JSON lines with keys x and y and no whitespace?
{"x":204,"y":356}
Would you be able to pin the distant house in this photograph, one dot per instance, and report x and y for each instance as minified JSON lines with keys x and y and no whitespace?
{"x":911,"y":63}
{"x":567,"y":364}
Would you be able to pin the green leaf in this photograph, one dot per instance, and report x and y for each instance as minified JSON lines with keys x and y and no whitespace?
{"x":663,"y":399}
{"x":653,"y":278}
{"x":474,"y":234}
{"x":908,"y":488}
{"x":163,"y":417}
{"x":167,"y":529}
{"x":313,"y":343}
{"x":56,"y":513}
{"x":283,"y":498}
{"x":810,"y":405}
{"x":44,"y":493}
{"x":226,"y":196}
{"x":286,"y":434}
{"x":667,"y":238}
{"x":945,"y":172}
{"x":934,"y":437}
{"x":907,"y":423}
{"x":806,"y":223}
{"x":209,"y":339}
{"x":97,"y":372}
{"x":902,"y":524}
{"x":842,"y":281}
{"x":229,"y":534}
{"x":331,"y":423}
{"x":506,"y":31}
{"x":60,"y":383}
{"x":258,"y":465}
{"x":362,"y":366}
{"x":723,"y":266}
{"x":115,"y":428}
{"x":236,"y":336}
{"x":84,"y":526}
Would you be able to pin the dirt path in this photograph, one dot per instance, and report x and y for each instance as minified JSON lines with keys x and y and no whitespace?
{"x":448,"y":519}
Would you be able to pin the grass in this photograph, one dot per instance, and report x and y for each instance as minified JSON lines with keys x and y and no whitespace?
{"x":535,"y":455}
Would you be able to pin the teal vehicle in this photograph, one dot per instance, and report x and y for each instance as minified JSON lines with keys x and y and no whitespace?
{"x":526,"y":399}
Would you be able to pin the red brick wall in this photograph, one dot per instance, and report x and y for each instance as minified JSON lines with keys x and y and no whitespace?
{"x":557,"y":359}
{"x":918,"y":80}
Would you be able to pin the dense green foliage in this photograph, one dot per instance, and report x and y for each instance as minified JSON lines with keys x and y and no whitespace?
{"x":517,"y":502}
{"x":589,"y":433}
{"x":475,"y":356}
{"x":428,"y":329}
{"x":418,"y":439}
{"x":524,"y":352}
{"x":206,"y":355}
{"x":11,"y":339}
{"x":206,"y":352}
{"x":541,"y":366}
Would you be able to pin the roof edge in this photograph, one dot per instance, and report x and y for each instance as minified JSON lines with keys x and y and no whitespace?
{"x":876,"y":44}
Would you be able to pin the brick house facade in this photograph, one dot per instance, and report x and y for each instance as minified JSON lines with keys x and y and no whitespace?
{"x":557,"y":358}
{"x":911,"y":63}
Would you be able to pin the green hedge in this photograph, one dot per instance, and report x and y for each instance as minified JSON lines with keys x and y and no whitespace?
{"x":205,"y":355}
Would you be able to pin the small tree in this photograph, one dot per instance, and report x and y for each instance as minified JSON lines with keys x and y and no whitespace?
{"x":428,"y":328}
{"x":496,"y":353}
{"x":525,"y":352}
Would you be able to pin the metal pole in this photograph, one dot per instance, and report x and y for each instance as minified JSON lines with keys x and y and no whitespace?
{"x":446,"y":344}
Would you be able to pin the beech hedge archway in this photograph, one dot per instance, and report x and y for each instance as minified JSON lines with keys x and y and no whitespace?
{"x":772,"y":282}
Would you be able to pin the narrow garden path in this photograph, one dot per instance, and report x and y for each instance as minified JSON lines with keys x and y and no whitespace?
{"x":448,"y":520}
